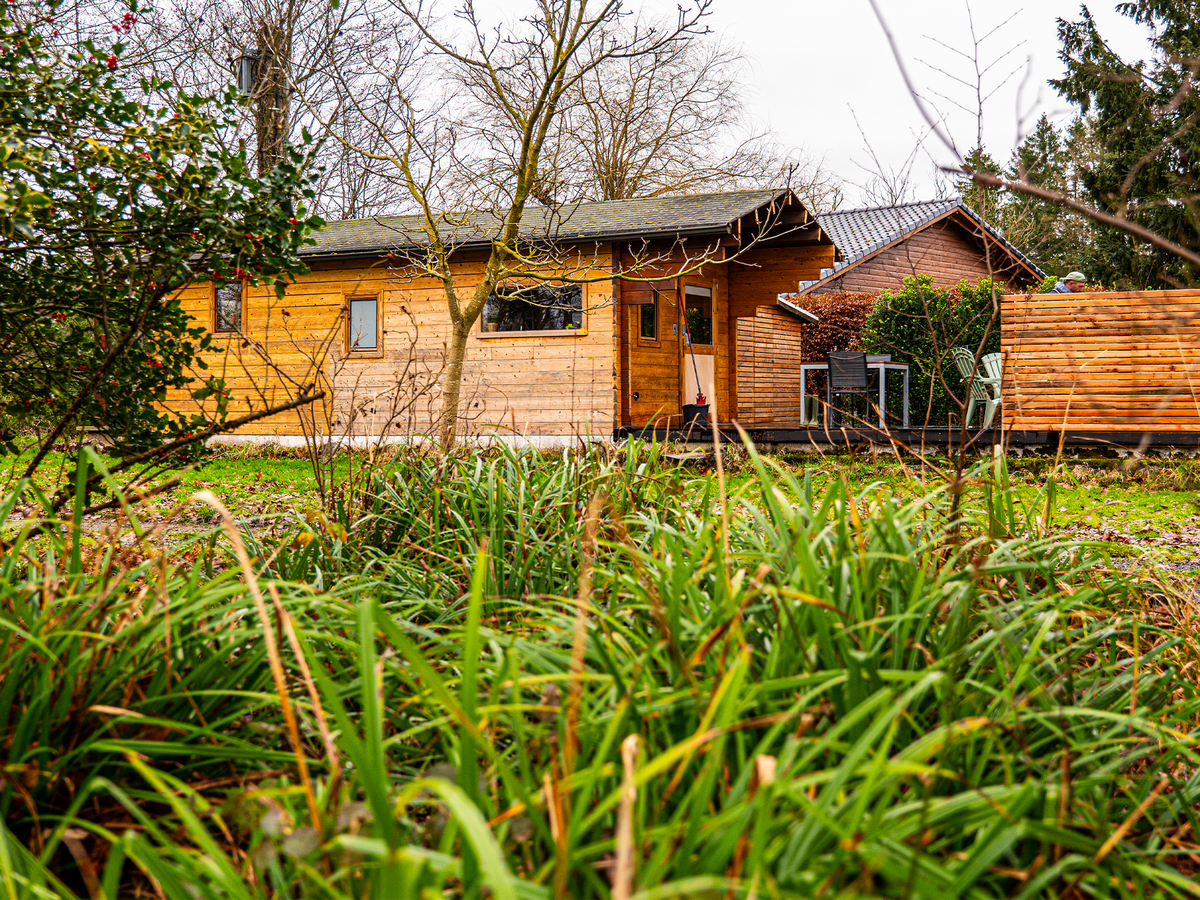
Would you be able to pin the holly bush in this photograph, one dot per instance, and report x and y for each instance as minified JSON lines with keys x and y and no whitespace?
{"x":112,"y":199}
{"x":919,"y":324}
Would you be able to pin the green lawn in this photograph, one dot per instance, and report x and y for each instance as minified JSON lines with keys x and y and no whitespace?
{"x":1136,"y":508}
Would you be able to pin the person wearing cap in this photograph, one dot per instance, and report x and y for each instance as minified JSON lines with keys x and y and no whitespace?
{"x":1073,"y":283}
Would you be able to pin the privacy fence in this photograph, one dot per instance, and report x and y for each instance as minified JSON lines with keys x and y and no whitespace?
{"x":1112,"y":362}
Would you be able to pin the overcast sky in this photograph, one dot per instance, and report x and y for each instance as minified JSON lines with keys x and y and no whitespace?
{"x":816,"y":66}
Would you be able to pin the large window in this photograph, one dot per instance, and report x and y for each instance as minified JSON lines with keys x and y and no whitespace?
{"x":363,"y":327}
{"x":699,"y":314}
{"x":227,"y":307}
{"x":540,"y":307}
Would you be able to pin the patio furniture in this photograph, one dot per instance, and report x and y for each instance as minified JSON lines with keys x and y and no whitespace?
{"x":847,"y":376}
{"x":985,"y":387}
{"x":992,"y":365}
{"x":885,"y":371}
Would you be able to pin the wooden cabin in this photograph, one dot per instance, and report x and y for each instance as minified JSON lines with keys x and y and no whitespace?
{"x":882,"y":245}
{"x":658,"y":299}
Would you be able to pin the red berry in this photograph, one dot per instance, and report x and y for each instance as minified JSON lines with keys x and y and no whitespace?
{"x":112,"y":62}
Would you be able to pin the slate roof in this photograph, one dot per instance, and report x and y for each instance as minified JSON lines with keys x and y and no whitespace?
{"x":858,"y":233}
{"x":611,"y":220}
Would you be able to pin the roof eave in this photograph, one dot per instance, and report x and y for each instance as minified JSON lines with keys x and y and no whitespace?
{"x":1002,"y":240}
{"x":991,"y":232}
{"x":798,"y":311}
{"x":605,"y":237}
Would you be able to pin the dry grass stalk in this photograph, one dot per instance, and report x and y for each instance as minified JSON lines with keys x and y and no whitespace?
{"x":579,"y":645}
{"x":622,"y":885}
{"x":277,"y":673}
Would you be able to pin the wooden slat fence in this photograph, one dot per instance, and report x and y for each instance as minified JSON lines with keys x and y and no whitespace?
{"x":1122,"y":361}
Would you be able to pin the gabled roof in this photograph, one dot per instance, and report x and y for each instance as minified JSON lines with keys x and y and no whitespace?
{"x":651,"y":217}
{"x":861,"y":233}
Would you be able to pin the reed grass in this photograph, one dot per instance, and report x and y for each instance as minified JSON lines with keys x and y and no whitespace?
{"x":516,"y":675}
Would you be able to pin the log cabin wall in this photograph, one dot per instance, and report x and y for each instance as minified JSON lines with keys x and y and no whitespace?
{"x":652,"y":368}
{"x":296,"y":343}
{"x":768,"y":368}
{"x":756,"y":279}
{"x":759,"y":275}
{"x":1116,"y":362}
{"x":537,"y":383}
{"x":946,"y":250}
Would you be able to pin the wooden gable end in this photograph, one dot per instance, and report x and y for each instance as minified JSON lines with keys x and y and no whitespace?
{"x":950,"y":248}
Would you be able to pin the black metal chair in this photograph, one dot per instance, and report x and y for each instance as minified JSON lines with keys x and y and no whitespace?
{"x":847,"y":375}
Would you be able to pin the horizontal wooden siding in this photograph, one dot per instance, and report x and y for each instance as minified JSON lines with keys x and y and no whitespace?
{"x":1102,"y":362}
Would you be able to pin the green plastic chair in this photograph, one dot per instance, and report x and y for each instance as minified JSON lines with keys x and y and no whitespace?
{"x":985,"y":387}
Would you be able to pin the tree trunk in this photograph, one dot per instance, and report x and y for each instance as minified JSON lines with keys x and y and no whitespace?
{"x":271,"y":107}
{"x":452,"y":392}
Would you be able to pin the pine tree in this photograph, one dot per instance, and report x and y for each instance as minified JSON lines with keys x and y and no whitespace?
{"x":1138,"y":142}
{"x":986,"y":202}
{"x":1054,"y":238}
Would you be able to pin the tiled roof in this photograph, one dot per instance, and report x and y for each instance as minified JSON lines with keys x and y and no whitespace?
{"x":858,"y":233}
{"x":647,"y":217}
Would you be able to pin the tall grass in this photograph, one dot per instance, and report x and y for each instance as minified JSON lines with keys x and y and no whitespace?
{"x":522,"y":676}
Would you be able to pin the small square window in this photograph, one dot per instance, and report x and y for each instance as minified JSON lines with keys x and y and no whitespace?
{"x":364,"y":324}
{"x":227,"y":308}
{"x":540,"y":307}
{"x":649,"y":319}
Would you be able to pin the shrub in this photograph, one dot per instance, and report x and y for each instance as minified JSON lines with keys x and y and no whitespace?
{"x":919,"y":324}
{"x":842,"y":317}
{"x":111,"y":204}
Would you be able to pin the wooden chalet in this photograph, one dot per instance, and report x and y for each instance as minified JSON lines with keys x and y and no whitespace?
{"x":605,"y":349}
{"x":881,"y":246}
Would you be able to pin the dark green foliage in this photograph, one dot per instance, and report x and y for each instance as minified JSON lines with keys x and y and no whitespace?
{"x":918,"y":325}
{"x":1054,"y":238}
{"x":988,"y":202}
{"x":113,"y":203}
{"x":1141,"y":120}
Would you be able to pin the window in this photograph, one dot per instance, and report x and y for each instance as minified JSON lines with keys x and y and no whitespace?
{"x":648,"y":326}
{"x":540,"y":307}
{"x":363,"y":327}
{"x":699,"y":314}
{"x":227,"y":307}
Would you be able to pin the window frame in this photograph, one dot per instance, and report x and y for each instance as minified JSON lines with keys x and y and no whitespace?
{"x":375,"y":352}
{"x":712,"y":315}
{"x":581,"y":331}
{"x":214,"y":320}
{"x":655,"y":341}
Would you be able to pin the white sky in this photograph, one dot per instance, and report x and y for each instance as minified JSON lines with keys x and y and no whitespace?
{"x":814,"y":65}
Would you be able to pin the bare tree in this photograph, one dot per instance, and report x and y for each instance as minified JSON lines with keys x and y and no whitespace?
{"x":669,"y":121}
{"x":447,"y":152}
{"x":316,"y":47}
